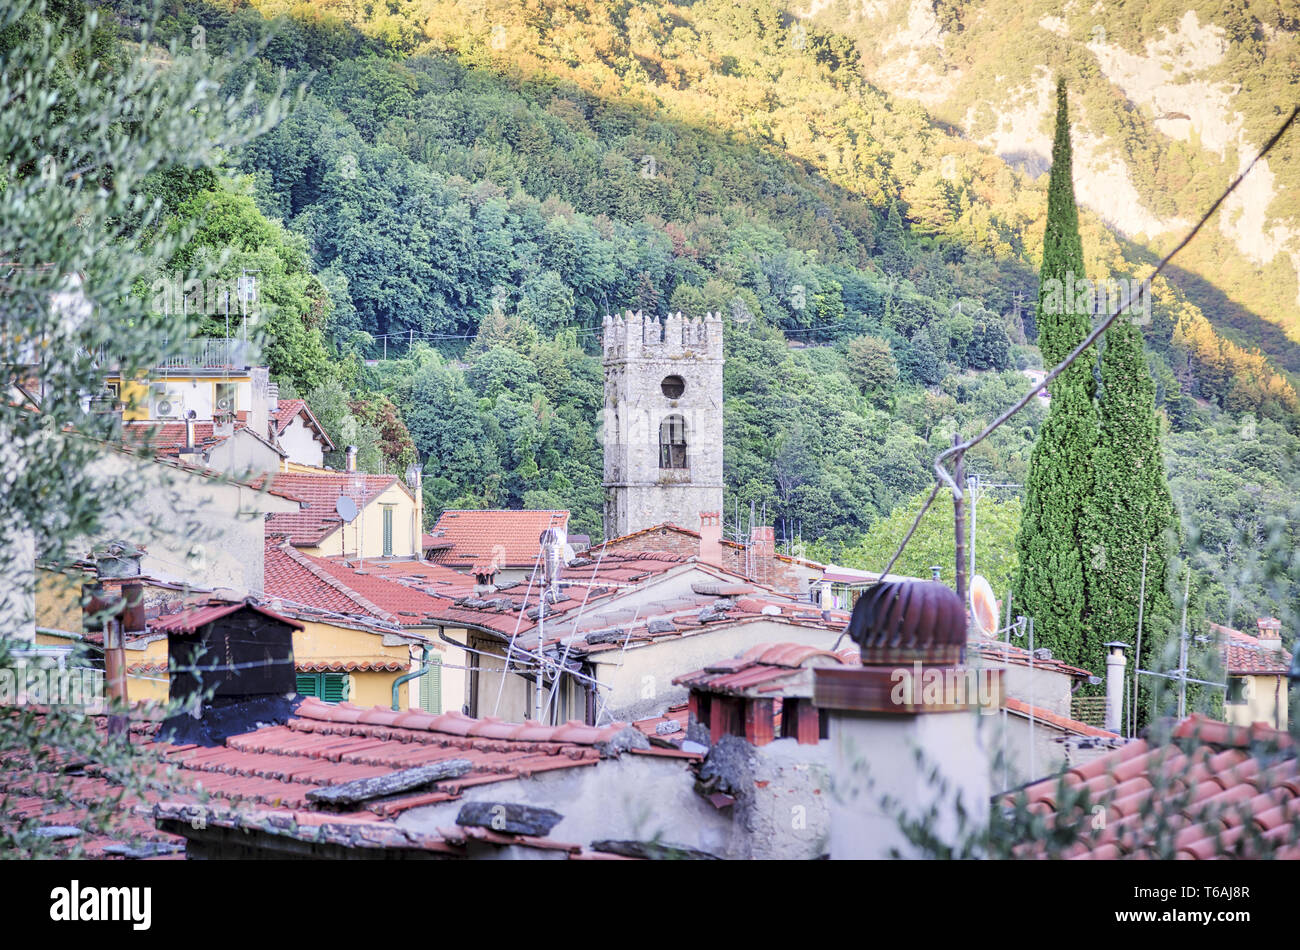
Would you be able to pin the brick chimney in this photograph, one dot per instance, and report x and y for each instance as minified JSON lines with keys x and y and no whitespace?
{"x":1270,"y":633}
{"x":711,"y":537}
{"x":761,"y":552}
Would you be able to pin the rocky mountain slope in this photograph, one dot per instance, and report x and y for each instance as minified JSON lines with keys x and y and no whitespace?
{"x":1172,"y":100}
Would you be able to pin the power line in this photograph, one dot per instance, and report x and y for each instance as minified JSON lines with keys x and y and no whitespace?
{"x":943,"y":477}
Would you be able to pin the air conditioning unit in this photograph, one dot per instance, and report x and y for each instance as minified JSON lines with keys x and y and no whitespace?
{"x":168,"y":405}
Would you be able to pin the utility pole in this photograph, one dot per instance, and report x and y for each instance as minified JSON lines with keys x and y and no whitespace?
{"x":960,"y":519}
{"x":1182,"y":653}
{"x":972,"y":483}
{"x":541,"y":641}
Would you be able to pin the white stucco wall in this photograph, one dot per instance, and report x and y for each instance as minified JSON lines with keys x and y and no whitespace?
{"x":301,"y":444}
{"x":195,"y":529}
{"x":243,"y":455}
{"x":875,"y":759}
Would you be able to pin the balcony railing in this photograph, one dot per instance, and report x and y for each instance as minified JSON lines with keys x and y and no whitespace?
{"x":200,"y":353}
{"x":211,"y":353}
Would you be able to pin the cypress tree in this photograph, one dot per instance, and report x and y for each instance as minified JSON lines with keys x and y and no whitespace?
{"x":1130,"y":507}
{"x":1050,"y":583}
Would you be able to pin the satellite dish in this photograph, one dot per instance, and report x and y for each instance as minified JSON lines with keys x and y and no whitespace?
{"x":983,"y":606}
{"x":346,"y":508}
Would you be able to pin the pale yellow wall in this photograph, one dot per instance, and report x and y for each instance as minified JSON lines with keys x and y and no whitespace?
{"x":367,"y":529}
{"x":197,"y":393}
{"x":514,"y":701}
{"x":323,"y":641}
{"x":134,"y":396}
{"x":147,"y":687}
{"x":1266,"y":702}
{"x":376,"y":689}
{"x":58,"y":603}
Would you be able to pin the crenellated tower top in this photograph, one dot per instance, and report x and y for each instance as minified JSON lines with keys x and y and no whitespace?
{"x":636,"y":336}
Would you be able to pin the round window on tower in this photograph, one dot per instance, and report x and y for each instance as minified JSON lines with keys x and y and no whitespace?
{"x":673,"y":386}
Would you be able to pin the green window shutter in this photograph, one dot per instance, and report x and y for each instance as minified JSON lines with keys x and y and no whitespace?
{"x":308,"y":684}
{"x":431,"y":688}
{"x":334,"y":687}
{"x":388,"y":531}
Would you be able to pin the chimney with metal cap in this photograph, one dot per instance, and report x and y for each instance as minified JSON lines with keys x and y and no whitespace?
{"x":913,"y":691}
{"x":350,"y":465}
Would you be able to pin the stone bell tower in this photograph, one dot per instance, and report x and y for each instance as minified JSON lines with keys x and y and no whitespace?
{"x":663,"y":420}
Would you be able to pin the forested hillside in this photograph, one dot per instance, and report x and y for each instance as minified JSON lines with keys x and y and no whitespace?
{"x":475,"y":185}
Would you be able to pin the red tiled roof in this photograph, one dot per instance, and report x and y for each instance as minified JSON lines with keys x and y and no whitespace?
{"x":668,"y":729}
{"x":599,"y":581}
{"x":321,"y":491}
{"x":1000,"y":650}
{"x":1220,"y":790}
{"x":510,"y":538}
{"x":398,"y":603}
{"x":168,"y":438}
{"x":1244,"y":655}
{"x":287,"y":576}
{"x":765,"y":667}
{"x":334,"y":586}
{"x":290,"y":409}
{"x":432,"y":578}
{"x":1064,"y":723}
{"x":190,"y":619}
{"x":688,"y":532}
{"x":263,"y":779}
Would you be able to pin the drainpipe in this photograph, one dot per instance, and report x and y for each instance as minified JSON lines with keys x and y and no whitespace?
{"x":406,"y":677}
{"x":115,"y":678}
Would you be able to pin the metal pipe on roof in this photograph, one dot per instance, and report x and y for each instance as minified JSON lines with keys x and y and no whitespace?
{"x":425,"y":667}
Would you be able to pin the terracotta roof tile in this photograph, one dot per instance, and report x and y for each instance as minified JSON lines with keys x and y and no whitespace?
{"x":1242,"y":654}
{"x":766,"y":666}
{"x":509,"y":538}
{"x":334,"y":586}
{"x":191,"y":619}
{"x":350,"y":666}
{"x":1211,"y":788}
{"x":1001,"y":651}
{"x":321,"y":491}
{"x":264,"y":779}
{"x":1064,"y":723}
